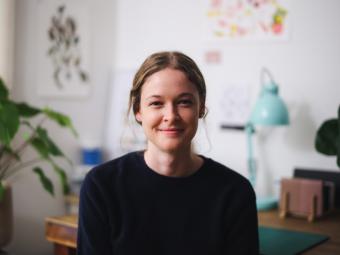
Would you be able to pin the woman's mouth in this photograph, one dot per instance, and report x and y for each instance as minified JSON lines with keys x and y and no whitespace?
{"x":171,"y":131}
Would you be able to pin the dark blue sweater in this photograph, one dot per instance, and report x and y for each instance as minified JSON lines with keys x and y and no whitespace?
{"x":128,"y":209}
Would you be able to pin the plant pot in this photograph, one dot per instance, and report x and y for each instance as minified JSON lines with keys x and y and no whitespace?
{"x":6,"y":217}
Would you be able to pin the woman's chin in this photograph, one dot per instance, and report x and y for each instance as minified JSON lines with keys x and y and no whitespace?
{"x":173,"y":146}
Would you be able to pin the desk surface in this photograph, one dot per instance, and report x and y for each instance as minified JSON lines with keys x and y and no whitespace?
{"x":329,"y":225}
{"x":62,"y":230}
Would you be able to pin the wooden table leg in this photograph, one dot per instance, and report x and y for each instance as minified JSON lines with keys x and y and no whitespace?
{"x":63,"y":250}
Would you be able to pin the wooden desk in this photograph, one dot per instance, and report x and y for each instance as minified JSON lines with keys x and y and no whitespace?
{"x":62,"y":231}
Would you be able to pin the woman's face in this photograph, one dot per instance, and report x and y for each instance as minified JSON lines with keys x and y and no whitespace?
{"x":169,"y":110}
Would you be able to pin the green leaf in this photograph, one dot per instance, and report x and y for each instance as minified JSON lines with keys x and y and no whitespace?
{"x":46,"y":182}
{"x":63,"y":178}
{"x":2,"y":191}
{"x":49,"y":147}
{"x":26,"y":110}
{"x":9,"y":121}
{"x":39,"y":145}
{"x":3,"y":90}
{"x":60,"y":118}
{"x":49,"y":144}
{"x":327,"y":136}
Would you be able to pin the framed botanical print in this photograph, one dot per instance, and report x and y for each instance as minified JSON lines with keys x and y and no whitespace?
{"x":63,"y":48}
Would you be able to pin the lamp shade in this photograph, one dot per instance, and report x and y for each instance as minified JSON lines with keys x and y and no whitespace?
{"x":270,"y":109}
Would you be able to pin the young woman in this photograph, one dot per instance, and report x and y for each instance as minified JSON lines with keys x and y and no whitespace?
{"x":167,"y":199}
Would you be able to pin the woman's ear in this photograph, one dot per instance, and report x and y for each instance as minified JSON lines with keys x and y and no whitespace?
{"x":138,"y":117}
{"x":202,"y":111}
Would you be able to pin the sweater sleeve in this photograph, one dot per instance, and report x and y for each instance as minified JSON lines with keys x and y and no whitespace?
{"x":93,"y":228}
{"x":242,"y":234}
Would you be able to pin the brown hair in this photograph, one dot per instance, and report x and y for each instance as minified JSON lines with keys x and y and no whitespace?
{"x":167,"y":59}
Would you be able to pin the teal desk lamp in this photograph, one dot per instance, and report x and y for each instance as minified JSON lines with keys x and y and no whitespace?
{"x":269,"y":110}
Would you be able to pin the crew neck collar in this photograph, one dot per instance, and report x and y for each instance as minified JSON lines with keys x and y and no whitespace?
{"x":150,"y":171}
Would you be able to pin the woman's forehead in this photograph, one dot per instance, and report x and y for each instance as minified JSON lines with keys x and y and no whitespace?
{"x":168,"y":80}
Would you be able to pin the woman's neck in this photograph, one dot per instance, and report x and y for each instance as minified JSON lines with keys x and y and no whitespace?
{"x":175,"y":164}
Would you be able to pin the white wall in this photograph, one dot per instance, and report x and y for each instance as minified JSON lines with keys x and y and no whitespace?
{"x":306,"y":67}
{"x":6,"y":45}
{"x":126,"y":31}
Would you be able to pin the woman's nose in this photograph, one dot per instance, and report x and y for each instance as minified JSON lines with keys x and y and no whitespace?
{"x":170,"y":113}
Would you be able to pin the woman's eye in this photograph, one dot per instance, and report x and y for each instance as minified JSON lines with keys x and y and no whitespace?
{"x":185,"y":102}
{"x":155,"y":103}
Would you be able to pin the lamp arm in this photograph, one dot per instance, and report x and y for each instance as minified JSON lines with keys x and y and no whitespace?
{"x":265,"y":72}
{"x":251,"y":162}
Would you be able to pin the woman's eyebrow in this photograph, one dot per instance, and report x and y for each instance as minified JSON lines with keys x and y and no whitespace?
{"x":186,"y":94}
{"x":153,"y":96}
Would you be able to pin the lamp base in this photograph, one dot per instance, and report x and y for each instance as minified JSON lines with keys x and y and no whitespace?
{"x":266,"y":203}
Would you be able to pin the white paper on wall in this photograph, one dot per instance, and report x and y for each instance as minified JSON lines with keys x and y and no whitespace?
{"x":234,"y":104}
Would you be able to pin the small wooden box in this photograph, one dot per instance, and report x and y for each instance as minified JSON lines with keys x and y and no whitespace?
{"x":306,"y":198}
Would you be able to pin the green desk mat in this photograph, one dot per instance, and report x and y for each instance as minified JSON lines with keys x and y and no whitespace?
{"x":275,"y":241}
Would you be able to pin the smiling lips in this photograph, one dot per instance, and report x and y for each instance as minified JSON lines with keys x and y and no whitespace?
{"x":171,"y":131}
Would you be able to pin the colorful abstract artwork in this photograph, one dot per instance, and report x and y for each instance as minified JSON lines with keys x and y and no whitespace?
{"x":248,"y":19}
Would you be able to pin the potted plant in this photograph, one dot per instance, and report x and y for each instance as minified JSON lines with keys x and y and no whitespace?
{"x":327,"y":140}
{"x":13,"y":117}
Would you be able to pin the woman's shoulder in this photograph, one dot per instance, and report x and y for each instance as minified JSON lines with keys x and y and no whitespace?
{"x":225,"y":174}
{"x":233,"y":184}
{"x":112,"y":168}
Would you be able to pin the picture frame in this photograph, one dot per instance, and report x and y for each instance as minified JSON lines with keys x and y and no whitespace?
{"x":64,"y":52}
{"x":248,"y":20}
